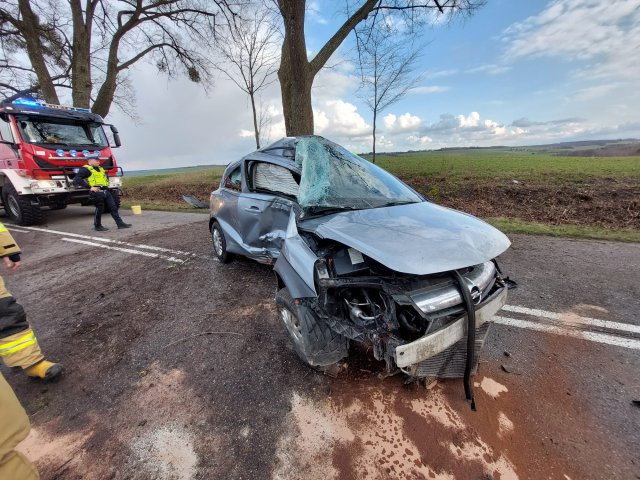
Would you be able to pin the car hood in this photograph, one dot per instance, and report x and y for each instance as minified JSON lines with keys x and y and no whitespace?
{"x":419,"y":238}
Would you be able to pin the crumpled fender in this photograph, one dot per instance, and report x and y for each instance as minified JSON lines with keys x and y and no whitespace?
{"x":296,"y":263}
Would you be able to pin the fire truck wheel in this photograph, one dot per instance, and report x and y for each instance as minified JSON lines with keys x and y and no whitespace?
{"x":19,"y":207}
{"x":58,"y":206}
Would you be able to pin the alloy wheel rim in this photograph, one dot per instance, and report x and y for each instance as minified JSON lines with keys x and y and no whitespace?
{"x":291,"y":322}
{"x":217,"y":242}
{"x":13,"y":206}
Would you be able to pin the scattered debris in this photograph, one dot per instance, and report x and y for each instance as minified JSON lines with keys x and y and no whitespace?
{"x":506,"y":354}
{"x":508,"y":369}
{"x":194,"y":202}
{"x":636,"y":403}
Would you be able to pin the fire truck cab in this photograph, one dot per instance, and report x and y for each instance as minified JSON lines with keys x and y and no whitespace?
{"x":42,"y":146}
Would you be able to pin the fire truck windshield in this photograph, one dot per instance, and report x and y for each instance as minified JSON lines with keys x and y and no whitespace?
{"x":59,"y":132}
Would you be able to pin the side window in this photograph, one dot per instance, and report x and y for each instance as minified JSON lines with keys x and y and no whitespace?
{"x":5,"y":131}
{"x":275,"y":179}
{"x":234,"y":180}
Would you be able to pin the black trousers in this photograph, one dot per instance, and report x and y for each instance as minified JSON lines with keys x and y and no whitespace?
{"x":13,"y":318}
{"x":104,"y":199}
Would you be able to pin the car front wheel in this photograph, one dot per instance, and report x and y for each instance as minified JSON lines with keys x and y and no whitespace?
{"x":313,"y":340}
{"x":219,"y":243}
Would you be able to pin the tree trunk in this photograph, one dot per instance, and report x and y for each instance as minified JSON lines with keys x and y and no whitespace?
{"x":375,"y":115}
{"x":255,"y":120}
{"x":107,"y":90}
{"x":81,"y":59}
{"x":295,"y":75}
{"x":30,"y":26}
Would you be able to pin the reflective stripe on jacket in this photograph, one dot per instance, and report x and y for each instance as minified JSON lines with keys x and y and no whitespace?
{"x":7,"y":244}
{"x":98,"y":178}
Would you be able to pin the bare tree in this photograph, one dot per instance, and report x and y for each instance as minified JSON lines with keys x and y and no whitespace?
{"x":387,"y":62}
{"x":250,"y":54}
{"x":87,"y":46}
{"x":297,"y":73}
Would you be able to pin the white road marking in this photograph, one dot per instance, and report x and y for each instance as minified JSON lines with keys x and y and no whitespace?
{"x":126,"y":250}
{"x":108,"y":240}
{"x":592,"y":322}
{"x":13,"y":229}
{"x":592,"y":336}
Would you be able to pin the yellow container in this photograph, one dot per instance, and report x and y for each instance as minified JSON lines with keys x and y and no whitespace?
{"x":136,"y":209}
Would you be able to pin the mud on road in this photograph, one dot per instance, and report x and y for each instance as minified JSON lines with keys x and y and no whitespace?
{"x":181,"y":370}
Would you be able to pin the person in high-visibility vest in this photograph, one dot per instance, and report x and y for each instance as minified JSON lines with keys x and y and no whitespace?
{"x":18,"y":344}
{"x":94,"y":177}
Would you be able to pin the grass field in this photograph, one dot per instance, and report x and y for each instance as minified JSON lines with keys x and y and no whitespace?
{"x":520,"y":191}
{"x":498,"y":163}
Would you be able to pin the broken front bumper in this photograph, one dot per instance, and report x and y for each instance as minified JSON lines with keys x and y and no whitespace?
{"x":433,"y":354}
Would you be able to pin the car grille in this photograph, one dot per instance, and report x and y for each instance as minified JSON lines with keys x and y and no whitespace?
{"x":450,"y":363}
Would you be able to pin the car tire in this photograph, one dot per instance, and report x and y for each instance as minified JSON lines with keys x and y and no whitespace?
{"x":19,"y":207}
{"x":219,"y":243}
{"x":313,"y":340}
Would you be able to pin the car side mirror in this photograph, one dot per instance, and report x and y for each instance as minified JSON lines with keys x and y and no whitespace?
{"x":116,"y":135}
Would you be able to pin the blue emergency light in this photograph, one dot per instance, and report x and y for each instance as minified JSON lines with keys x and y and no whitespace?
{"x":30,"y":102}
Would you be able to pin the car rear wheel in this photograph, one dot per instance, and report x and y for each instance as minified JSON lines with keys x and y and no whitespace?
{"x":219,"y":243}
{"x":19,"y":207}
{"x":315,"y":343}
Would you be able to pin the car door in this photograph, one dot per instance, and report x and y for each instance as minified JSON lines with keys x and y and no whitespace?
{"x":264,"y":206}
{"x":225,"y":206}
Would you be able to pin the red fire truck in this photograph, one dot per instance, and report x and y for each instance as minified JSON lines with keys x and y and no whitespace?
{"x":41,"y":148}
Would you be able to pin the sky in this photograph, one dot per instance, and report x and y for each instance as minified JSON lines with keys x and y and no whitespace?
{"x":515,"y":73}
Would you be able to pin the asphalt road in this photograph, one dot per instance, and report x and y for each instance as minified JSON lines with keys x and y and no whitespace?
{"x":177,"y":367}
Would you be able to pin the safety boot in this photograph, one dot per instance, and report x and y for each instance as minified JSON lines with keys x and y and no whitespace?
{"x":100,"y":228}
{"x":44,"y":369}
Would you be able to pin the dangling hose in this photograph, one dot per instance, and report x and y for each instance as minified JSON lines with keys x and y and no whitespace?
{"x":471,"y":336}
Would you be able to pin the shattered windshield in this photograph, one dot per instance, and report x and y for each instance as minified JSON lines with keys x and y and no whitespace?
{"x":334,"y":178}
{"x":62,"y":133}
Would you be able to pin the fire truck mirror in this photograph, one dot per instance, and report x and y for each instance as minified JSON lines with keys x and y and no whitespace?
{"x":12,"y":145}
{"x":116,"y":136}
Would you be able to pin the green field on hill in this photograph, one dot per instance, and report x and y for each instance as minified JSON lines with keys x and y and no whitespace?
{"x":520,"y":190}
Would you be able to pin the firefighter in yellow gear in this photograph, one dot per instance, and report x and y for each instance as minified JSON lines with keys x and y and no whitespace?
{"x":14,"y":427}
{"x":18,"y":344}
{"x":18,"y":348}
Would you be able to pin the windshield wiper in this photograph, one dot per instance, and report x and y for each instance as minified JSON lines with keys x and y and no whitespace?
{"x":398,"y":202}
{"x":320,"y":211}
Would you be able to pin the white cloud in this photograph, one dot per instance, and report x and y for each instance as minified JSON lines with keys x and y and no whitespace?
{"x":341,"y":120}
{"x":427,"y":89}
{"x":403,"y":123}
{"x":421,"y":141}
{"x":440,"y":73}
{"x":490,"y":69}
{"x":607,"y":34}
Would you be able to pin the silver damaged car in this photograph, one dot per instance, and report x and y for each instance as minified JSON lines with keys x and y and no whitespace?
{"x":360,"y":256}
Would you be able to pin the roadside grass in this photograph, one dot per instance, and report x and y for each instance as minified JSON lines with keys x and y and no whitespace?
{"x":516,"y":225}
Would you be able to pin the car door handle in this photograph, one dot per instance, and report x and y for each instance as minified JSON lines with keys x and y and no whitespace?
{"x":252,"y":209}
